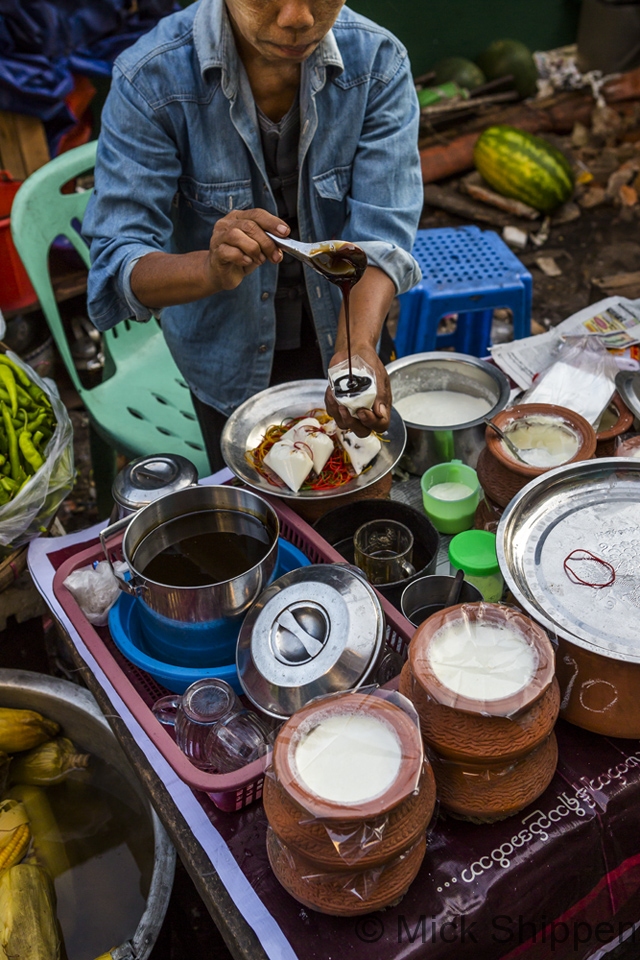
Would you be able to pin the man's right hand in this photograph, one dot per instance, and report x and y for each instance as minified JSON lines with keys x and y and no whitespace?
{"x":239,"y":244}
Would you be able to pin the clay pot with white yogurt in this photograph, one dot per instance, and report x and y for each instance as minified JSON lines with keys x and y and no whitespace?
{"x":546,"y":436}
{"x":481,"y":677}
{"x":348,"y":797}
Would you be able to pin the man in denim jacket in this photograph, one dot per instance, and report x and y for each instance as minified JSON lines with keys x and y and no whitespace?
{"x":236,"y":117}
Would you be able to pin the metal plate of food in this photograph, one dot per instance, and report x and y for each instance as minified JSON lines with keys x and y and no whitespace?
{"x":628,"y":386}
{"x":544,"y":540}
{"x":245,"y":429}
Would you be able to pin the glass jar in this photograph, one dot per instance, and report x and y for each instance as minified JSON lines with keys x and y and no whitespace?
{"x":474,"y":552}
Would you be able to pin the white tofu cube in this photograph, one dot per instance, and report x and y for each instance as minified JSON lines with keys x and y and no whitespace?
{"x":360,"y":450}
{"x":292,"y":464}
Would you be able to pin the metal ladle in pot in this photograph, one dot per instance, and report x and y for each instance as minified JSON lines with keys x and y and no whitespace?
{"x":337,"y":260}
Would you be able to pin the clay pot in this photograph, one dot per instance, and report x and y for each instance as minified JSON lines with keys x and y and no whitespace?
{"x":463,"y":736}
{"x":497,"y":615}
{"x":488,"y":514}
{"x":486,"y":792}
{"x":339,"y":844}
{"x":490,"y":757}
{"x":629,"y":447}
{"x":498,"y":483}
{"x":379,"y":709}
{"x":617,"y":420}
{"x":506,"y":418}
{"x":349,"y":894}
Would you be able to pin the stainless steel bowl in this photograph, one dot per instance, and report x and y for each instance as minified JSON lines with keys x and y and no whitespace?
{"x":427,"y":446}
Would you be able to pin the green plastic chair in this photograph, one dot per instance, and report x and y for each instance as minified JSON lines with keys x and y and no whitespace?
{"x":143,"y":406}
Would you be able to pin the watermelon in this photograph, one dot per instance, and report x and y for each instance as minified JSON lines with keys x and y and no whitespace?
{"x":510,"y":57}
{"x":519,"y":165}
{"x":463,"y":72}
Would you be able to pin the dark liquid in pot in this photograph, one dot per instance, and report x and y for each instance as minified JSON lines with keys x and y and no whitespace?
{"x":210,"y":556}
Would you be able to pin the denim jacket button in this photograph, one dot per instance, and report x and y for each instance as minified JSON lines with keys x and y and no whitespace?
{"x":262,"y":348}
{"x":264,"y":295}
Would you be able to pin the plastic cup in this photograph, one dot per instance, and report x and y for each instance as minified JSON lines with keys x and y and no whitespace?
{"x":451,"y":515}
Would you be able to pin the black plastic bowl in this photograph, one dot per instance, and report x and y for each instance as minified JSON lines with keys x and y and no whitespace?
{"x":339,"y":525}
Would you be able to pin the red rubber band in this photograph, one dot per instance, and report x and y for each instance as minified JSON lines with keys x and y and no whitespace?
{"x":587,"y":555}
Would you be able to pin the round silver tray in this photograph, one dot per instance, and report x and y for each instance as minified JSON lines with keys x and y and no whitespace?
{"x":595,"y":506}
{"x":246,"y":426}
{"x":628,"y":386}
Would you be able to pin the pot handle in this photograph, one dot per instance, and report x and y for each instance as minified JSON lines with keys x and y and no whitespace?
{"x":104,"y":535}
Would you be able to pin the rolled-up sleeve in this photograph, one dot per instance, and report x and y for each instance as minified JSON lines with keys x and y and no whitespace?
{"x":386,"y":198}
{"x":129,"y":213}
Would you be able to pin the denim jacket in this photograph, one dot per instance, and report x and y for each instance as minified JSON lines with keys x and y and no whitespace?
{"x":180,"y":147}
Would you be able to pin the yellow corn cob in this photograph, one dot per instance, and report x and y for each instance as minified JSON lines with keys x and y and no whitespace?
{"x":48,"y":763}
{"x":28,"y":927}
{"x":24,"y":729}
{"x":15,"y":834}
{"x":47,"y":841}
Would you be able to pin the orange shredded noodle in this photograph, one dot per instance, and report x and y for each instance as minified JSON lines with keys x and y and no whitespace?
{"x":337,"y":470}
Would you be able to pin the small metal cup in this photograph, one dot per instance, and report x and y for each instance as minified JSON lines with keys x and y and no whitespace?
{"x":383,"y":550}
{"x":430,"y":594}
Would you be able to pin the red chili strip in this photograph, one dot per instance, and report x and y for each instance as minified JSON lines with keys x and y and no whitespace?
{"x":580,"y":555}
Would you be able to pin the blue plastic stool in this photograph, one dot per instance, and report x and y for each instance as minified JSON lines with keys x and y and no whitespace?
{"x":466,"y":271}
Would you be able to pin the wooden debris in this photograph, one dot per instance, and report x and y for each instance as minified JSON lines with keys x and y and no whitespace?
{"x":446,"y":160}
{"x":622,"y":176}
{"x":618,"y":284}
{"x":593,"y":197}
{"x":446,"y":198}
{"x":476,"y":187}
{"x":567,"y":213}
{"x":548,"y":266}
{"x":628,"y":195}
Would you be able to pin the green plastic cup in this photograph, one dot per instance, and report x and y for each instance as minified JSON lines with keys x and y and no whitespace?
{"x":450,"y":508}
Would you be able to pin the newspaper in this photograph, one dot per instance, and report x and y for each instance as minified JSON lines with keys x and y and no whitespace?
{"x":615,"y":321}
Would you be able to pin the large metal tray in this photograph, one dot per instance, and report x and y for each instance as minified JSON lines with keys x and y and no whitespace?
{"x":246,"y":426}
{"x":593,"y":505}
{"x":628,"y":386}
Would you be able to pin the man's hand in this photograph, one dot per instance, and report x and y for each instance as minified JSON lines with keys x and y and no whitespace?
{"x":365,"y":420}
{"x":239,"y":244}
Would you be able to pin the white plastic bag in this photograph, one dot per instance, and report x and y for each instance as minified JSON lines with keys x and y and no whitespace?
{"x":95,"y":589}
{"x":29,"y":513}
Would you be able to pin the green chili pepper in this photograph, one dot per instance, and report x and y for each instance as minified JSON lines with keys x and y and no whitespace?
{"x":25,"y":399}
{"x":8,"y":484}
{"x":14,"y":457}
{"x":4,"y":497}
{"x":38,"y":437}
{"x":9,"y":381}
{"x":29,"y":451}
{"x":19,"y":373}
{"x":6,"y":469}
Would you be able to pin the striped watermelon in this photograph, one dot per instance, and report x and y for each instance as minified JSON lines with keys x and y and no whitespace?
{"x":524,"y":167}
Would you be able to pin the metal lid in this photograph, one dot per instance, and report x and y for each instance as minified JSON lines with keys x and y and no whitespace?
{"x":148,"y":478}
{"x":314,"y":631}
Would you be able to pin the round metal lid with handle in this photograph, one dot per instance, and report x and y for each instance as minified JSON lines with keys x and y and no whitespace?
{"x":148,"y":478}
{"x":314,"y":631}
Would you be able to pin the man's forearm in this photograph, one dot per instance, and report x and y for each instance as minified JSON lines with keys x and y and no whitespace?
{"x":163,"y":279}
{"x":370,"y":301}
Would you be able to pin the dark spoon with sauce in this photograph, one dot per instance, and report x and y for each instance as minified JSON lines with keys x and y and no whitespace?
{"x":342,"y":263}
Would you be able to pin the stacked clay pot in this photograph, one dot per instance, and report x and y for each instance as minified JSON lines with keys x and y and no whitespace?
{"x":501,"y":476}
{"x":491,"y":756}
{"x":347,"y":853}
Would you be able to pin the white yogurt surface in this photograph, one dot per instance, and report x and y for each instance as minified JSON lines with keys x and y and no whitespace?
{"x":349,"y":758}
{"x":481,"y":660}
{"x":450,"y":490}
{"x":543,"y":441}
{"x":441,"y":408}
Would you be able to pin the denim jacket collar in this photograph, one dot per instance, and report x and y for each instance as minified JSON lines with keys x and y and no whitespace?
{"x":215,"y":48}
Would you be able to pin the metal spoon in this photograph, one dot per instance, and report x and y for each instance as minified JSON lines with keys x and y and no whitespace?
{"x":510,"y":444}
{"x":337,"y":260}
{"x":455,"y":590}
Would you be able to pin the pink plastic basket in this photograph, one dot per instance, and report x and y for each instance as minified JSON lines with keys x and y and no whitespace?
{"x":139,"y":691}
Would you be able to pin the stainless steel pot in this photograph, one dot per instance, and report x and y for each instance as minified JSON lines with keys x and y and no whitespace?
{"x":427,"y":446}
{"x":180,"y":514}
{"x":149,"y":478}
{"x":81,"y":719}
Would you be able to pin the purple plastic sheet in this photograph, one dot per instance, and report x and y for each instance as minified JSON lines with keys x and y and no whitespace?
{"x":560,"y":879}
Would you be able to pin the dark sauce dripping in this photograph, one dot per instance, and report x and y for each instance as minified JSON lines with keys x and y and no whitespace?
{"x":343,"y":265}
